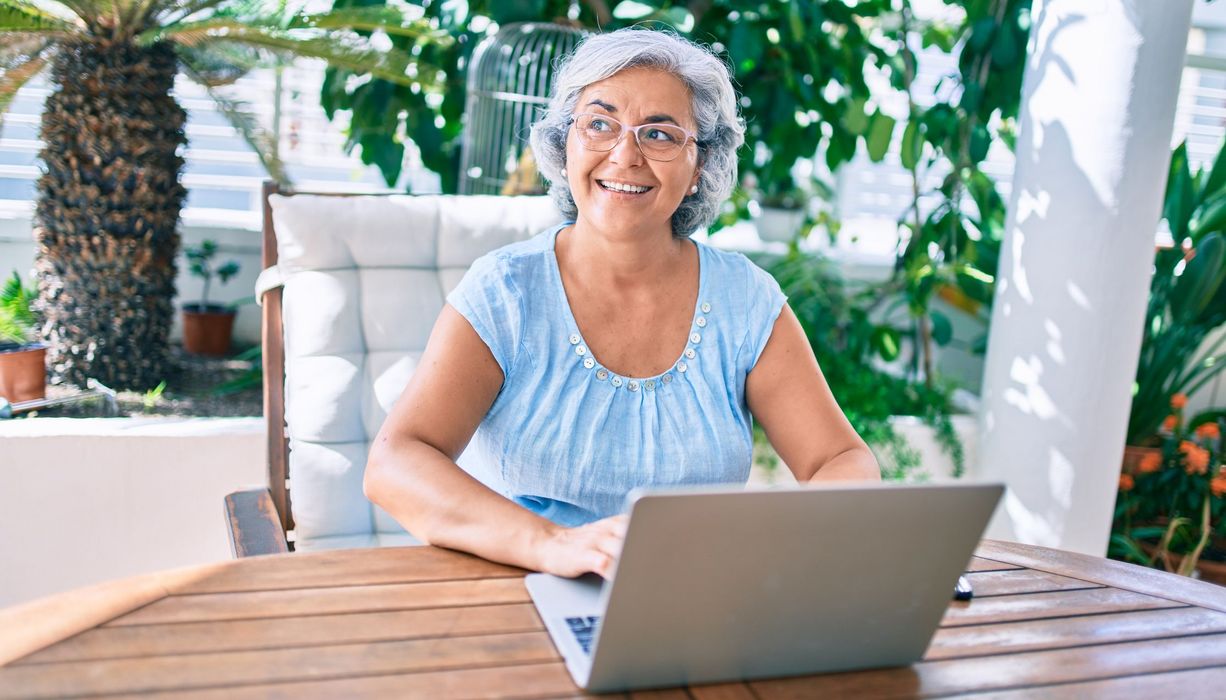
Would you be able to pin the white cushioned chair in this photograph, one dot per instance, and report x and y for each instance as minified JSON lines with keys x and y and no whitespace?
{"x":350,"y":292}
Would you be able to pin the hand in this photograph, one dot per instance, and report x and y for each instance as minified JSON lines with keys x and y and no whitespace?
{"x":591,"y":548}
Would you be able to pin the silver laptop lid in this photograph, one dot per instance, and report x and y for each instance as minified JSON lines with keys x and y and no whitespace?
{"x":721,"y":584}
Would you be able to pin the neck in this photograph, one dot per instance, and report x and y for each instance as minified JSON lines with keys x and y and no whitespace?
{"x":626,"y":257}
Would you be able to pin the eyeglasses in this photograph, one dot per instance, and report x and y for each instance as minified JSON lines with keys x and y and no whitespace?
{"x":598,"y":132}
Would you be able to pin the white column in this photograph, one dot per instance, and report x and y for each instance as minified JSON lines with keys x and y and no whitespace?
{"x":1102,"y":77}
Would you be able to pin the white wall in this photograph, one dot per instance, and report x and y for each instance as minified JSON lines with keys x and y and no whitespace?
{"x":87,"y":500}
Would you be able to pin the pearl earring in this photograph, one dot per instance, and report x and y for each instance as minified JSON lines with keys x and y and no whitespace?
{"x":694,"y":189}
{"x":563,"y":172}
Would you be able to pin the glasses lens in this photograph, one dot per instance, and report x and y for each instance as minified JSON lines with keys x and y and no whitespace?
{"x":596,"y":132}
{"x":661,"y":141}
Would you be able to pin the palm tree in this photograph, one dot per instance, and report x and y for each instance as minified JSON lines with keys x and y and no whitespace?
{"x":108,"y":201}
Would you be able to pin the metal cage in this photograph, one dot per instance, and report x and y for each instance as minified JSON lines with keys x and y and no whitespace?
{"x":509,"y":81}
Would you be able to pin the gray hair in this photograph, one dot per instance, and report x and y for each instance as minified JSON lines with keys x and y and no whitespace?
{"x":720,"y":131}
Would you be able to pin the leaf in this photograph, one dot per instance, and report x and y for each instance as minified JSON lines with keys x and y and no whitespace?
{"x":880,"y":132}
{"x":1217,"y":175}
{"x":887,"y":342}
{"x":19,"y":16}
{"x":632,"y":11}
{"x":980,"y":142}
{"x":910,"y":151}
{"x":1004,"y":48}
{"x":942,"y":329}
{"x":1177,"y":207}
{"x":1211,"y":217}
{"x":854,"y":118}
{"x":1201,"y":279}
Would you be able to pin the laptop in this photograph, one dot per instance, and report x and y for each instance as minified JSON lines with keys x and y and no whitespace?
{"x":724,"y":584}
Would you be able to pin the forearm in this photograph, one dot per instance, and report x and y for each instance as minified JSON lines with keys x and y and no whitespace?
{"x":854,"y":464}
{"x":441,"y":504}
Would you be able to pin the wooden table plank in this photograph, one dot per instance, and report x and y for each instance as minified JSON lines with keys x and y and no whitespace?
{"x":722,"y":691}
{"x":1201,"y":684}
{"x":1108,"y":572}
{"x":354,"y":567}
{"x":535,"y":680}
{"x":1034,"y":606}
{"x":1007,"y":671}
{"x":1015,"y":581}
{"x":318,"y":601}
{"x":167,"y":673}
{"x":981,"y":564}
{"x":1012,"y":637}
{"x":312,"y":630}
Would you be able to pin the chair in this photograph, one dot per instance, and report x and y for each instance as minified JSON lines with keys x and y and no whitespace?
{"x":350,"y":291}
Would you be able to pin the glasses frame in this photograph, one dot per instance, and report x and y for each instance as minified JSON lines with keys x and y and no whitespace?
{"x":626,"y":128}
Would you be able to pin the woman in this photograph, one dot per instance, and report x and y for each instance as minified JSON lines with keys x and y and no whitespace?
{"x":612,"y":351}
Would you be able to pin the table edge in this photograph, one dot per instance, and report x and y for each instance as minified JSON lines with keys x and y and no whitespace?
{"x":1108,"y":572}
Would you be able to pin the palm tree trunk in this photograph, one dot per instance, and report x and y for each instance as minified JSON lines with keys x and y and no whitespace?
{"x":107,"y":212}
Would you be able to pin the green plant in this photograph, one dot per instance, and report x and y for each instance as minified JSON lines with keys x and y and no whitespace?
{"x":840,"y":319}
{"x":151,"y":397}
{"x":17,"y":320}
{"x":200,"y":263}
{"x":1187,"y":295}
{"x":108,"y":201}
{"x":1170,"y":506}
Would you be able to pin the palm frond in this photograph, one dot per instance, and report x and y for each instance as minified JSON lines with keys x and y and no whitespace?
{"x":239,"y":114}
{"x":221,"y":63}
{"x":17,"y":71}
{"x":340,"y":49}
{"x":21,"y":16}
{"x":389,"y":20}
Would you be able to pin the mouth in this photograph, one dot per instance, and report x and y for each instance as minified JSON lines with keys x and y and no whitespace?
{"x":623,"y":187}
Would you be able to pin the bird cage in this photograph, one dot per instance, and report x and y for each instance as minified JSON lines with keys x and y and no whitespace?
{"x":509,"y":81}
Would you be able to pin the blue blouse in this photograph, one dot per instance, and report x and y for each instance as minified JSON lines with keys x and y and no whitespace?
{"x":566,"y":437}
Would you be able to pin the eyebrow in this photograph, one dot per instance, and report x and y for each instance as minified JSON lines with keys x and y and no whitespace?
{"x":653,"y":119}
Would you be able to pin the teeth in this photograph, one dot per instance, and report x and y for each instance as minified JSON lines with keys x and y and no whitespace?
{"x":619,"y":187}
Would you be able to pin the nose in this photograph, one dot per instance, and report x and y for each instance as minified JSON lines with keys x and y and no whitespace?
{"x":627,"y":152}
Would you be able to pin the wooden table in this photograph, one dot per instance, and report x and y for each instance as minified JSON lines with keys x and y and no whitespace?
{"x":426,"y":622}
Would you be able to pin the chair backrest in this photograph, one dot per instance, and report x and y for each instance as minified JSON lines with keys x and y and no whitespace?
{"x":354,"y":284}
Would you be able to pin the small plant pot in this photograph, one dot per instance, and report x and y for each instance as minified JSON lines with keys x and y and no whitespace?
{"x":776,"y":224}
{"x":23,"y":373}
{"x":207,"y":329}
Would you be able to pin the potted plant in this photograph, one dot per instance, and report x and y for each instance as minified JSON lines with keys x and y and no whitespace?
{"x":207,"y":327}
{"x":1171,"y":502}
{"x":23,"y":370}
{"x":1187,"y":299}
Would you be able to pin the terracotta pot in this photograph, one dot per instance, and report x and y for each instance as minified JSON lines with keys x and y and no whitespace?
{"x":207,"y":330}
{"x":23,"y":373}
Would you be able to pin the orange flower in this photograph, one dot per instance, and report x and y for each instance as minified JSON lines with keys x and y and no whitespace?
{"x":1196,"y":458}
{"x":1150,"y":463}
{"x":1218,"y":485}
{"x":1178,"y":401}
{"x":1126,"y":482}
{"x":1169,"y":423}
{"x":1209,"y":431}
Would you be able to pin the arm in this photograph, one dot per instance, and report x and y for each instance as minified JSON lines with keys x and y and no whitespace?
{"x":788,"y":395}
{"x":411,"y":472}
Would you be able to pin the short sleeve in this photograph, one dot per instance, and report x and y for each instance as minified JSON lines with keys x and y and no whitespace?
{"x":489,"y":300}
{"x":765,"y":301}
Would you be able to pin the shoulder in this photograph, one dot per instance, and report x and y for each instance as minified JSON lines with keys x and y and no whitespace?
{"x":516,"y":263}
{"x":735,"y":273}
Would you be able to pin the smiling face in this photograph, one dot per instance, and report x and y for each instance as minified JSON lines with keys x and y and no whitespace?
{"x":622,"y":192}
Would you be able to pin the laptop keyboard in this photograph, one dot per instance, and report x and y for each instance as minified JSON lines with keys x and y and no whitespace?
{"x":583,"y":628}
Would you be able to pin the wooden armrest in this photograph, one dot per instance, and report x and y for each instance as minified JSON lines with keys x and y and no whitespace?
{"x":255,"y":527}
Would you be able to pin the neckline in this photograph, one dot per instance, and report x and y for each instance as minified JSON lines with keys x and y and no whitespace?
{"x":700,"y":303}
